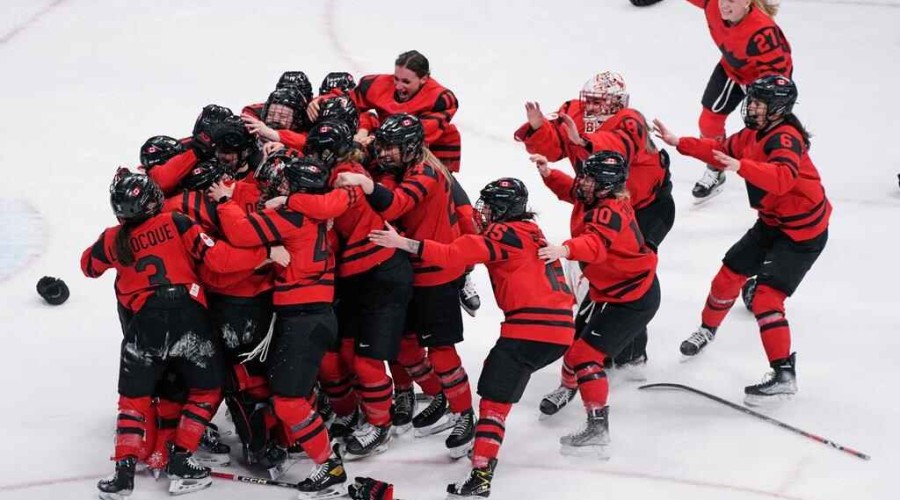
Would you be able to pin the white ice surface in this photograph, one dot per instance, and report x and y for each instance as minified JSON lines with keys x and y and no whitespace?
{"x":84,"y":82}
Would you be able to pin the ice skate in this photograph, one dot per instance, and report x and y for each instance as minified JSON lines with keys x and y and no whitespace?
{"x":342,"y":426}
{"x":710,"y":185}
{"x":120,"y":485}
{"x":779,"y":385}
{"x":556,"y":400}
{"x":326,"y":480}
{"x":367,"y":440}
{"x":402,"y":410}
{"x":476,"y":485}
{"x":212,"y":452}
{"x":633,"y":370}
{"x":434,"y":418}
{"x":697,"y":341}
{"x":468,"y":296}
{"x":185,"y":474}
{"x":591,"y":440}
{"x":462,"y":437}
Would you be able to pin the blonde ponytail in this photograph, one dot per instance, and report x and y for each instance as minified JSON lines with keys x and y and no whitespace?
{"x":770,"y":7}
{"x":429,"y":159}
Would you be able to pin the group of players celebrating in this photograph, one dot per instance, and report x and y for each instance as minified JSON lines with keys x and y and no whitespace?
{"x":306,"y":262}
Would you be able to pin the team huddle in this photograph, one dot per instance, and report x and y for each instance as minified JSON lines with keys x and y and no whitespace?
{"x":306,"y":263}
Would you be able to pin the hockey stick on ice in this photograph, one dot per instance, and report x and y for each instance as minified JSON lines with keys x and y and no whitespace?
{"x":760,"y":416}
{"x":253,"y":480}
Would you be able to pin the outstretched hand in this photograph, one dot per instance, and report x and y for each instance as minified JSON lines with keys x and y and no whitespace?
{"x":551,"y":253}
{"x":256,"y":127}
{"x":728,"y":163}
{"x":534,"y":114}
{"x":540,"y":161}
{"x":280,"y":256}
{"x":663,"y":132}
{"x":388,"y":237}
{"x":571,"y":130}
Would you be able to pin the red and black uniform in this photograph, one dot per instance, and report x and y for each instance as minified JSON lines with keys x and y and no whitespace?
{"x":163,"y":313}
{"x":785,"y":189}
{"x":433,"y":104}
{"x":290,"y":138}
{"x":538,"y":325}
{"x":169,"y":174}
{"x":305,"y":324}
{"x":240,"y":307}
{"x":624,"y":293}
{"x":752,"y":48}
{"x":374,"y":287}
{"x":422,"y":206}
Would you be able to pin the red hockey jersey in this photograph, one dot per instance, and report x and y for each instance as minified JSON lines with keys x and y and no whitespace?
{"x":166,"y":249}
{"x":782,"y":183}
{"x":752,"y":48}
{"x":422,"y":206}
{"x":534,"y":297}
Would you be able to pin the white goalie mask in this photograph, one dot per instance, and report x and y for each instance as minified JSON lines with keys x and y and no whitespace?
{"x":602,"y":96}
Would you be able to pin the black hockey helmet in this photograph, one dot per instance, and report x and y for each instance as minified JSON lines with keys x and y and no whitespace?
{"x":337,"y":80}
{"x":203,"y":175}
{"x":777,"y":92}
{"x":603,"y":174}
{"x":205,"y":127}
{"x":328,"y":141}
{"x":405,"y":132}
{"x":502,"y":200}
{"x":306,"y":175}
{"x":291,"y":98}
{"x":340,"y":108}
{"x":160,"y":149}
{"x":133,"y":196}
{"x":297,"y":80}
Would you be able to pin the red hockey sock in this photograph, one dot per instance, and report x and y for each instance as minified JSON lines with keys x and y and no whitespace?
{"x":131,"y":427}
{"x":304,"y":426}
{"x":375,"y":389}
{"x":412,"y":357}
{"x":712,"y":125}
{"x":725,"y":288}
{"x":348,"y":352}
{"x":454,"y":381}
{"x":489,"y":431}
{"x":567,"y":377}
{"x":402,"y":380}
{"x":768,"y":307}
{"x":201,"y":405}
{"x":167,"y":415}
{"x":588,"y":365}
{"x":337,"y":383}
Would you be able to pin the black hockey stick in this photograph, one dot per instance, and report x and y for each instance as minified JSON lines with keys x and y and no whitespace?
{"x":253,"y":480}
{"x":758,"y":415}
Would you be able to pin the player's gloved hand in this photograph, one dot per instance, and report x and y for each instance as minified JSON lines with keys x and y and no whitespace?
{"x":366,"y":488}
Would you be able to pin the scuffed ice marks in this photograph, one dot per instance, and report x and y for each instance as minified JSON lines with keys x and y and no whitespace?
{"x":193,"y":348}
{"x":233,"y":339}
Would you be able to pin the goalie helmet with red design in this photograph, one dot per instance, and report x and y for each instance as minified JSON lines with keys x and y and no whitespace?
{"x":603,"y":96}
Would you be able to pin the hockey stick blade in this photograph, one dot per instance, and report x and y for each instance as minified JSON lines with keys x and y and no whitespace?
{"x":253,"y":480}
{"x":760,"y":416}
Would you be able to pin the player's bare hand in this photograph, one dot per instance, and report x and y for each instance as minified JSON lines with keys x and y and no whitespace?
{"x":551,"y":253}
{"x":534,"y":114}
{"x":312,"y":110}
{"x":280,"y":256}
{"x":728,"y":163}
{"x":220,"y":191}
{"x":355,"y":179}
{"x":271,"y":147}
{"x":540,"y":161}
{"x":256,"y":127}
{"x":663,"y":132}
{"x":388,"y":237}
{"x":571,"y":130}
{"x":276,"y":202}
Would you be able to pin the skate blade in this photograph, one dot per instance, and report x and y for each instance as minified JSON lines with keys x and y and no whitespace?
{"x":715,"y":192}
{"x":279,"y":470}
{"x":336,"y":491}
{"x":400,"y":430}
{"x":436,"y":428}
{"x":121,"y":495}
{"x":378,"y":450}
{"x":767,"y":401}
{"x":212,"y":460}
{"x":461,"y":451}
{"x":421,"y":397}
{"x":182,"y":486}
{"x":596,"y":451}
